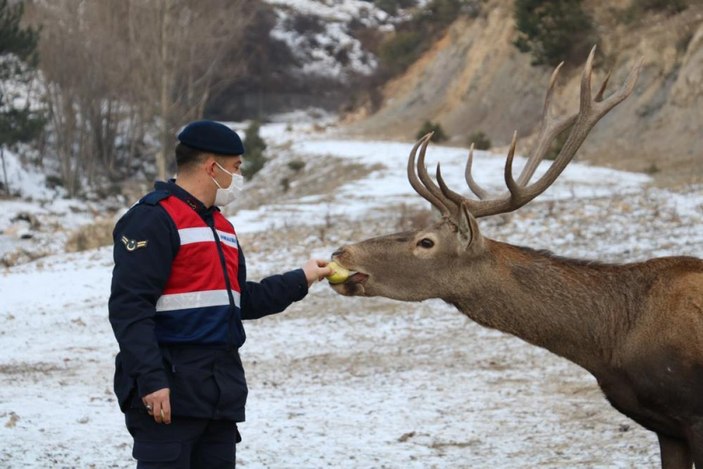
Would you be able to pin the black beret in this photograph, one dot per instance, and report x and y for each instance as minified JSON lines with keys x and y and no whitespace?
{"x":211,"y":137}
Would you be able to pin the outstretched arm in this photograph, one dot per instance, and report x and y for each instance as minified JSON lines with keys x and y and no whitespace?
{"x":275,"y":293}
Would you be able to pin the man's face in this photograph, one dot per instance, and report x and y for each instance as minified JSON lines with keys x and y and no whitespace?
{"x":230,"y":164}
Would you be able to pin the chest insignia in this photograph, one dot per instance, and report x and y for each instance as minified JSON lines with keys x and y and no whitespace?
{"x":132,"y":244}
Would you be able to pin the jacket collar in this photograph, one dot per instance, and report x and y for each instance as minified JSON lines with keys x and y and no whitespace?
{"x":175,"y":190}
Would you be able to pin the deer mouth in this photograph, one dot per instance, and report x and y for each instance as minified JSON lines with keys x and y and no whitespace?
{"x":357,"y":277}
{"x":354,"y":283}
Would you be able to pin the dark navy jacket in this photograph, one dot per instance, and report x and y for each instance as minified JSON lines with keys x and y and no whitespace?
{"x":205,"y":381}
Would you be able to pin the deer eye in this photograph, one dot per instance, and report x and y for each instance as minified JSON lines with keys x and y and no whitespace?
{"x":425,"y":243}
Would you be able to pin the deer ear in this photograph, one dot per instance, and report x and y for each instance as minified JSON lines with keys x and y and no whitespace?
{"x":469,"y":236}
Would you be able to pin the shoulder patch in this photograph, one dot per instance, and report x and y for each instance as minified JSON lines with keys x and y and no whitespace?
{"x":133,"y":244}
{"x":154,"y":197}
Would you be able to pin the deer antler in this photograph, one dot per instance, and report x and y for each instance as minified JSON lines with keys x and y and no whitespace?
{"x":431,"y":196}
{"x":591,"y":110}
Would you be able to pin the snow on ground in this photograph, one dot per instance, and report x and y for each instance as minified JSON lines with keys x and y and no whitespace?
{"x":351,"y":382}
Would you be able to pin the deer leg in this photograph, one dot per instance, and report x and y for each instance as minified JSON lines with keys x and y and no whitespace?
{"x":695,"y":443}
{"x":675,"y":453}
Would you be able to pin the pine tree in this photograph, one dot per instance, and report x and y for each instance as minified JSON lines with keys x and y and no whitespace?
{"x":254,"y":146}
{"x":18,"y":60}
{"x":553,"y":30}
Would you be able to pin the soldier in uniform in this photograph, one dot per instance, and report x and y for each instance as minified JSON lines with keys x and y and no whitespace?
{"x":179,"y":295}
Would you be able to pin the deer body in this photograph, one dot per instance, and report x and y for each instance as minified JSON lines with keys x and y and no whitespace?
{"x":638,"y":328}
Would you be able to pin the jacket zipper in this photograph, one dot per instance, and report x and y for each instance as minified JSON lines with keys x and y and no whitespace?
{"x":228,"y":284}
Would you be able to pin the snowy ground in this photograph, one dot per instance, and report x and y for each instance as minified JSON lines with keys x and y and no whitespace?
{"x":348,"y":382}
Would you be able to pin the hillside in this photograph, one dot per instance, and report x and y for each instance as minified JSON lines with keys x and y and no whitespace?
{"x":473,"y":78}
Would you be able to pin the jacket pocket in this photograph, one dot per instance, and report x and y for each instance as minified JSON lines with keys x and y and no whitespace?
{"x":231,"y":380}
{"x":194,"y":392}
{"x":125,"y":386}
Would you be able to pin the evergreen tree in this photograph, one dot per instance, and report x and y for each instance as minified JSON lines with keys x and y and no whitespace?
{"x":18,"y":60}
{"x":553,"y":30}
{"x":254,"y":146}
{"x":429,"y":126}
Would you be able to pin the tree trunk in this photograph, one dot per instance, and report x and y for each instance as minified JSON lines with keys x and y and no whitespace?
{"x":165,"y":107}
{"x":4,"y":171}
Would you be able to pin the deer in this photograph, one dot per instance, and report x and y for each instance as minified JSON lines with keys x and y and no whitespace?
{"x":636,"y":327}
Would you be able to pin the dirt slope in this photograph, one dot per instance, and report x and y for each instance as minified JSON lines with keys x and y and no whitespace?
{"x":474,"y":79}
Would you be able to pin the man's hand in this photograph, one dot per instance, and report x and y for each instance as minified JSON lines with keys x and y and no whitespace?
{"x":316,"y":269}
{"x":158,"y":404}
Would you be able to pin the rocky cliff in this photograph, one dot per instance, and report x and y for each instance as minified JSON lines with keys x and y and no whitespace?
{"x":474,"y":79}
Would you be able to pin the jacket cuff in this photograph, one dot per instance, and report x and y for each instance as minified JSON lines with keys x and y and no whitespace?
{"x":150,"y":382}
{"x":298,"y":282}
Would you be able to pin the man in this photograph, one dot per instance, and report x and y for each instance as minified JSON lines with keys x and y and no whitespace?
{"x":179,"y":295}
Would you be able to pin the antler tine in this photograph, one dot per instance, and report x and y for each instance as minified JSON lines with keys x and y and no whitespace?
{"x":458,"y":199}
{"x":586,"y":76}
{"x":421,"y":189}
{"x":513,"y":187}
{"x":599,"y":95}
{"x":474,"y":205}
{"x":427,"y":180}
{"x":621,"y":93}
{"x":550,"y":89}
{"x":549,"y":129}
{"x":475,"y":188}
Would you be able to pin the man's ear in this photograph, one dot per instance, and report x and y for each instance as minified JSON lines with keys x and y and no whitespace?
{"x":209,"y":164}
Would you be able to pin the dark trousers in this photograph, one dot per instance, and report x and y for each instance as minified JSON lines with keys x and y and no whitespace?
{"x":186,"y":443}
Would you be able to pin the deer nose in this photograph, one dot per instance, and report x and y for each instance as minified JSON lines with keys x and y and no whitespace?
{"x":338,"y":253}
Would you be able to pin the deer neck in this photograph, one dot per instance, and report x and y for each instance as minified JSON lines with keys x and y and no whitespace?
{"x":568,"y":307}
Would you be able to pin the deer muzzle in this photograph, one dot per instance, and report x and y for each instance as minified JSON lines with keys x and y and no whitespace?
{"x":353,"y":285}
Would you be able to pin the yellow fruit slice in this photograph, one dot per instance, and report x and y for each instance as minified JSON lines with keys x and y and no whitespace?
{"x":339,"y":274}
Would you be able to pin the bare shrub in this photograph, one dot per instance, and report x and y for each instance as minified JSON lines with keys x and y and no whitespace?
{"x":91,"y":236}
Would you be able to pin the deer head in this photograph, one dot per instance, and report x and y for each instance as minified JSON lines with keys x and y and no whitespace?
{"x":446,"y":259}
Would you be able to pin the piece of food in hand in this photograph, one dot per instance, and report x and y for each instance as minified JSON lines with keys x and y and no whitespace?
{"x":339,"y":274}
